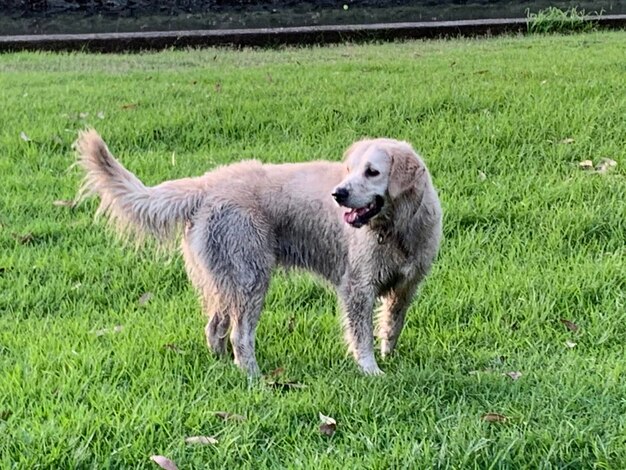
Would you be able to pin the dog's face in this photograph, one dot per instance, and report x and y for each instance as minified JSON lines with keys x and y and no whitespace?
{"x":379,"y":171}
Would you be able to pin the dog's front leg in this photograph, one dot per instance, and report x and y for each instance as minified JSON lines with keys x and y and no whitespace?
{"x":391,"y":317}
{"x":357,"y":302}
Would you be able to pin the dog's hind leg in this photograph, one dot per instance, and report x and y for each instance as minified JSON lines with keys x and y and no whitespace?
{"x":239,"y":257}
{"x":216,"y":330}
{"x":244,"y":316}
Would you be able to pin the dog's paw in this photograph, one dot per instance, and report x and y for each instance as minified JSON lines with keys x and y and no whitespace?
{"x":373,"y":371}
{"x":369,"y":367}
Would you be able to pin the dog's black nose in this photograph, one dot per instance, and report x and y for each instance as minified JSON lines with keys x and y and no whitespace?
{"x":340,"y":195}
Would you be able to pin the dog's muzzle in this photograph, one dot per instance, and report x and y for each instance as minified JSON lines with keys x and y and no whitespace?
{"x":359,"y":216}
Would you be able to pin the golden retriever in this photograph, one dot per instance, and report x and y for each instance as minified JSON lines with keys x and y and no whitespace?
{"x":371,"y":226}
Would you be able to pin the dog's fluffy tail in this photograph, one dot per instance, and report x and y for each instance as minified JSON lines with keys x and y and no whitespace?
{"x":130,"y":205}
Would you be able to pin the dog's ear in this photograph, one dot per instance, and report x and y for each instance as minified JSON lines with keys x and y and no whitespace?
{"x":406,"y":171}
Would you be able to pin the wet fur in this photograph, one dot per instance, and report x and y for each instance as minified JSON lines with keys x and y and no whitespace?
{"x":241,"y":221}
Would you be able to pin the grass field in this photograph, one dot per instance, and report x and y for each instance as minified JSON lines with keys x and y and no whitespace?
{"x":530,"y":239}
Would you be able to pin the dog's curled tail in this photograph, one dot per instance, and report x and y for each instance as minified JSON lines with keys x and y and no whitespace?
{"x":129,"y":205}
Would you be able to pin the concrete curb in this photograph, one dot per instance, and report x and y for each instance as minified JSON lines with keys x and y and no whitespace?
{"x":271,"y":37}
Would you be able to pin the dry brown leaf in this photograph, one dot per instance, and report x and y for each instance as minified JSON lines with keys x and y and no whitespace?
{"x":276,"y":372}
{"x":24,"y":137}
{"x":586,"y":165}
{"x":226,"y":416}
{"x":204,"y":440}
{"x":64,"y":203}
{"x":24,"y":239}
{"x":568,"y":140}
{"x":605,"y":165}
{"x":328,"y":426}
{"x":494,"y":418}
{"x":286,"y":386}
{"x":569,"y":325}
{"x":164,"y":462}
{"x":145,"y":298}
{"x":104,"y":331}
{"x":570,"y":344}
{"x":514,"y":375}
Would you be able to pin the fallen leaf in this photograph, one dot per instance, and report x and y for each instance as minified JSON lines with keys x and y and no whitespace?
{"x":568,"y":140}
{"x":569,"y":325}
{"x":173,"y":347}
{"x":226,"y":416}
{"x":104,"y":331}
{"x":481,"y":176}
{"x":514,"y":375}
{"x":570,"y":344}
{"x":605,"y":165}
{"x":24,"y":239}
{"x":164,"y":462}
{"x":328,"y":426}
{"x":204,"y":440}
{"x":100,"y":115}
{"x":129,"y":106}
{"x":145,"y":298}
{"x":65,"y":203}
{"x":586,"y":165}
{"x":286,"y":386}
{"x":24,"y":137}
{"x":494,"y":418}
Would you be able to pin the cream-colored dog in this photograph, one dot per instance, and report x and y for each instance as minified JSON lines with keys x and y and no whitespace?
{"x":371,"y":226}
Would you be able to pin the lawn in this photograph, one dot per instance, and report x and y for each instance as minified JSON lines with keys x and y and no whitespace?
{"x":102,"y":354}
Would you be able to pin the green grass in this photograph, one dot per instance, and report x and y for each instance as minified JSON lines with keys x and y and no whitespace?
{"x":556,"y":20}
{"x":535,"y":240}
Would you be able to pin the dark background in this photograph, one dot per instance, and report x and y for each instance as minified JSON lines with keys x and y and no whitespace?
{"x":81,"y":16}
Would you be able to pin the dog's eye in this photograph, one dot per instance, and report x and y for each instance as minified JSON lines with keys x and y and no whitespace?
{"x":370,"y":172}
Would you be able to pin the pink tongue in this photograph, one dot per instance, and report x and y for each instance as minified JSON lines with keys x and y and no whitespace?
{"x":352,"y":215}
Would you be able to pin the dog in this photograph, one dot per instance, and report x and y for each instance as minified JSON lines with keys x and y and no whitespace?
{"x":371,"y":226}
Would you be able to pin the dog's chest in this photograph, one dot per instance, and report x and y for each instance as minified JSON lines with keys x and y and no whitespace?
{"x":391,"y":266}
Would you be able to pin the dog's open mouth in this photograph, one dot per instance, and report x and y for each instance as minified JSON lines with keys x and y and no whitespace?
{"x":359,"y":216}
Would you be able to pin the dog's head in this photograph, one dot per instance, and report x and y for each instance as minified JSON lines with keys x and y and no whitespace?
{"x":379,"y":172}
